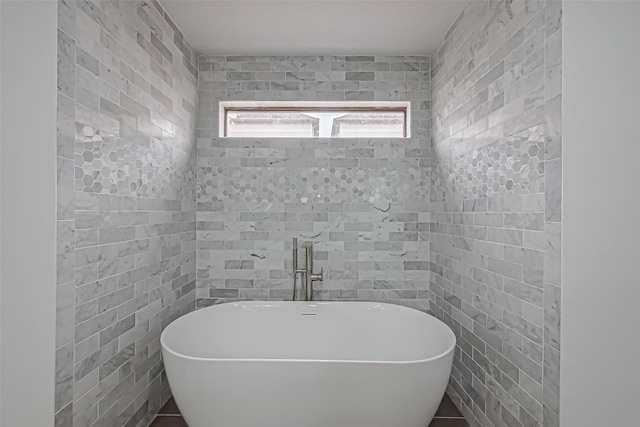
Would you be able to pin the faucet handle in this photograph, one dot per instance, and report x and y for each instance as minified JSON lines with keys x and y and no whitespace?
{"x":318,"y":277}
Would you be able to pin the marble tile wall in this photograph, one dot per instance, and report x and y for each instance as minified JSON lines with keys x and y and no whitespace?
{"x":363,"y":202}
{"x":496,"y":209}
{"x":126,"y":207}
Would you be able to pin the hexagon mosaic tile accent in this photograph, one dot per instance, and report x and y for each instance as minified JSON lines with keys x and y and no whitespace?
{"x":113,"y":165}
{"x":511,"y":167}
{"x":407,"y":182}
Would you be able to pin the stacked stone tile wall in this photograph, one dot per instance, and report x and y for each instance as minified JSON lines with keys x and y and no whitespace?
{"x":126,"y":207}
{"x":496,"y":209}
{"x":364,"y":203}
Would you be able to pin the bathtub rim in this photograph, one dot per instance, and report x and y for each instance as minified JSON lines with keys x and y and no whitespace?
{"x":446,"y":353}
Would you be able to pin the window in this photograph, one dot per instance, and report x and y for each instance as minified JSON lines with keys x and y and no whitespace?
{"x":314,"y":119}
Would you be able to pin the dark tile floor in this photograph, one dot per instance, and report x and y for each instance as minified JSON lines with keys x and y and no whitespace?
{"x":447,"y":416}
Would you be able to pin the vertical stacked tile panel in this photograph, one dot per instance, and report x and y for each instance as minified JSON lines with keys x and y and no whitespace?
{"x":363,"y":202}
{"x":496,"y":208}
{"x":126,"y":206}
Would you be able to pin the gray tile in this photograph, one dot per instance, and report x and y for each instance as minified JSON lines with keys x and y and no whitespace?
{"x":553,"y":193}
{"x":164,"y":50}
{"x":64,"y":376}
{"x":65,"y":295}
{"x":552,"y":316}
{"x":360,"y":76}
{"x":552,"y":253}
{"x":65,"y":251}
{"x":551,"y":384}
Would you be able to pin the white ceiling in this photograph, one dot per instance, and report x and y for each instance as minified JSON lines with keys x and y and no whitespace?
{"x":314,"y":27}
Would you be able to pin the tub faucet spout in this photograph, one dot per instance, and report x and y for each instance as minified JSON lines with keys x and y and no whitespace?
{"x":309,"y":276}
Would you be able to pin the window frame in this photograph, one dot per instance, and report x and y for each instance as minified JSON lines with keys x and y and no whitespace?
{"x":313,"y":106}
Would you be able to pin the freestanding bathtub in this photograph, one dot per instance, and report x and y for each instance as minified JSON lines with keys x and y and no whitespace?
{"x":307,"y":364}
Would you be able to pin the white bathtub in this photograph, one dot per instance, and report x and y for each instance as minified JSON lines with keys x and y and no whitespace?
{"x":301,"y":364}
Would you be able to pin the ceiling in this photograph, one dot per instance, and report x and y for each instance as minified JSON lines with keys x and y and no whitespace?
{"x":314,"y":27}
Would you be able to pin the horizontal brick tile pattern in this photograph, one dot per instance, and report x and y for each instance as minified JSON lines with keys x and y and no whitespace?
{"x":363,"y":202}
{"x":157,"y":214}
{"x":126,"y":207}
{"x":495,"y":209}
